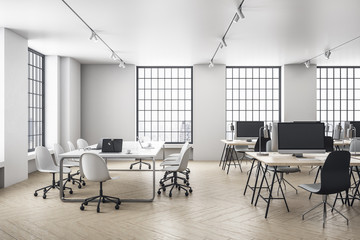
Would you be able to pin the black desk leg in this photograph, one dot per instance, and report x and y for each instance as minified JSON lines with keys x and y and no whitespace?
{"x":247,"y":182}
{"x":222,"y":155}
{"x":231,"y":158}
{"x":356,"y":186}
{"x":256,"y":180}
{"x":282,"y":192}
{"x":262,"y":181}
{"x":226,"y":157}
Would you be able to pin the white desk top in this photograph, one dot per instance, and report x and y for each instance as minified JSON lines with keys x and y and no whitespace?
{"x":136,"y":151}
{"x":239,"y":142}
{"x":277,"y":159}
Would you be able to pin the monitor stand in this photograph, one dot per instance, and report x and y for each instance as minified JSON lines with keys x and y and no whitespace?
{"x":249,"y":140}
{"x":298,"y":155}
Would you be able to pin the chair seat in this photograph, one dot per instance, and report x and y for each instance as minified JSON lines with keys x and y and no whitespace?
{"x":56,"y":170}
{"x":314,"y":188}
{"x":71,"y":164}
{"x":284,"y":169}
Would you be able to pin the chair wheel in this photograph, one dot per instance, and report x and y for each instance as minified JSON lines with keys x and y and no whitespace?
{"x":98,"y":210}
{"x":116,"y":206}
{"x":85,"y":203}
{"x":44,"y":196}
{"x":118,"y":202}
{"x":187,"y":184}
{"x":186,"y":194}
{"x":159,"y":192}
{"x":164,"y":188}
{"x":170,"y":194}
{"x":79,"y":186}
{"x":130,"y":167}
{"x":103,"y":200}
{"x":190,"y":190}
{"x":82,"y":207}
{"x":73,"y":182}
{"x":84,"y":183}
{"x":35,"y":194}
{"x":71,"y":192}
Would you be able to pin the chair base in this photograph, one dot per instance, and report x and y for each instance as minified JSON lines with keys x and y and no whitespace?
{"x":324,"y":203}
{"x":54,"y":185}
{"x":174,"y":184}
{"x":80,"y":182}
{"x":102,"y":198}
{"x":140,"y":162}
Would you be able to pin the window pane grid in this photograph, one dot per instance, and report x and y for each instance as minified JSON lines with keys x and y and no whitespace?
{"x":35,"y":99}
{"x":252,"y":94}
{"x":338,"y":94}
{"x":164,"y":103}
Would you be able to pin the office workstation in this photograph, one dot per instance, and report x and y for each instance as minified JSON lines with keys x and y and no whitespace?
{"x":194,"y":91}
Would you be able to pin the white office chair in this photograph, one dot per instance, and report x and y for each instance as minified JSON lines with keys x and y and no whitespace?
{"x":94,"y":168}
{"x":68,"y":163}
{"x":143,"y":140}
{"x":82,"y":143}
{"x":71,"y":146}
{"x":354,"y":146}
{"x":45,"y":163}
{"x":184,"y":159}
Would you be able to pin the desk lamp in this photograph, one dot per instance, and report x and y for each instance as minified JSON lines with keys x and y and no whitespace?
{"x":266,"y":135}
{"x":327,"y":128}
{"x":337,"y":132}
{"x":232,"y":128}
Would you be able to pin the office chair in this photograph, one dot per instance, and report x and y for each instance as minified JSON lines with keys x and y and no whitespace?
{"x":68,"y":163}
{"x":71,"y":146}
{"x":94,"y":168}
{"x":81,"y":143}
{"x":174,"y":160}
{"x":45,"y":163}
{"x":184,"y":159}
{"x":282,"y":170}
{"x":354,"y":148}
{"x":335,"y":178}
{"x":139,"y":160}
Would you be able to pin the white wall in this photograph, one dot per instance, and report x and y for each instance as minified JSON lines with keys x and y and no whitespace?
{"x":108,"y":96}
{"x":208,"y":111}
{"x":14,"y":106}
{"x":299,"y":93}
{"x":70,"y":94}
{"x":52,"y":100}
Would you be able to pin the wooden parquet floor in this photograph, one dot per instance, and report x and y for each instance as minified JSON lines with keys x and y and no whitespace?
{"x":217,"y":209}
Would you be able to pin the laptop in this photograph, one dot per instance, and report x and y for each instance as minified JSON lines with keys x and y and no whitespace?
{"x":111,"y":145}
{"x":145,"y":147}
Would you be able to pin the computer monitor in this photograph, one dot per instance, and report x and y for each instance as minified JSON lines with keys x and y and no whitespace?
{"x":248,"y":129}
{"x":301,"y":137}
{"x":356,"y":125}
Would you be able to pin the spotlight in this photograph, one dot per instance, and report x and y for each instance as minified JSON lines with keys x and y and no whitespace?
{"x":94,"y":37}
{"x":122,"y":64}
{"x":307,"y":63}
{"x":223,"y":43}
{"x":113,"y":56}
{"x":211,"y":64}
{"x":240,"y":13}
{"x":327,"y":54}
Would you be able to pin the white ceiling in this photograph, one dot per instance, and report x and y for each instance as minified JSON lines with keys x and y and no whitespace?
{"x":187,"y":32}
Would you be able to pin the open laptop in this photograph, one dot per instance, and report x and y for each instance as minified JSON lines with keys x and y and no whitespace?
{"x":145,"y":147}
{"x":111,"y":145}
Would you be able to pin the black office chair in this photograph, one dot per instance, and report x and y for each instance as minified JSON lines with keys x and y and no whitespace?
{"x":335,"y":178}
{"x":263,"y":144}
{"x":329,"y":147}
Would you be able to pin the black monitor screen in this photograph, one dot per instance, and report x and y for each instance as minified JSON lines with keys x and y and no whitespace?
{"x":248,"y":129}
{"x":301,"y":136}
{"x":356,"y":125}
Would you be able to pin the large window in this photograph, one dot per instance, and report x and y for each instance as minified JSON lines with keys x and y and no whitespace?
{"x":338,"y":94}
{"x":164,"y":103}
{"x":35,"y":99}
{"x":252,"y":94}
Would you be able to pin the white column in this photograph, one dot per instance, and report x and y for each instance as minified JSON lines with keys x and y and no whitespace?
{"x":13,"y":106}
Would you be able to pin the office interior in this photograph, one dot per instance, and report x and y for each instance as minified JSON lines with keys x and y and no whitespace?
{"x":88,"y":95}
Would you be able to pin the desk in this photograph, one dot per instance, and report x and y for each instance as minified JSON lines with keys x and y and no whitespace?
{"x":340,"y":144}
{"x":137,"y":152}
{"x":229,"y":150}
{"x":275,"y":159}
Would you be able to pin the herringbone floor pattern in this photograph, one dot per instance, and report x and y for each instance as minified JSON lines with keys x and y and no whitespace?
{"x":217,"y":209}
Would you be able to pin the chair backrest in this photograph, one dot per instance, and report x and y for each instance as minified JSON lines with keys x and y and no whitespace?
{"x":355,"y":145}
{"x":184,"y":160}
{"x":329,"y":144}
{"x":71,"y":146}
{"x":94,"y":167}
{"x":263,"y":144}
{"x":57,"y":151}
{"x":43,"y":159}
{"x":335,"y":176}
{"x":184,"y":148}
{"x":81,"y":143}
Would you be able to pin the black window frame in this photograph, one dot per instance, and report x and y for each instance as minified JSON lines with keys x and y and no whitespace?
{"x":331,"y":95}
{"x":36,"y":106}
{"x":138,"y":132}
{"x":232,"y":99}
